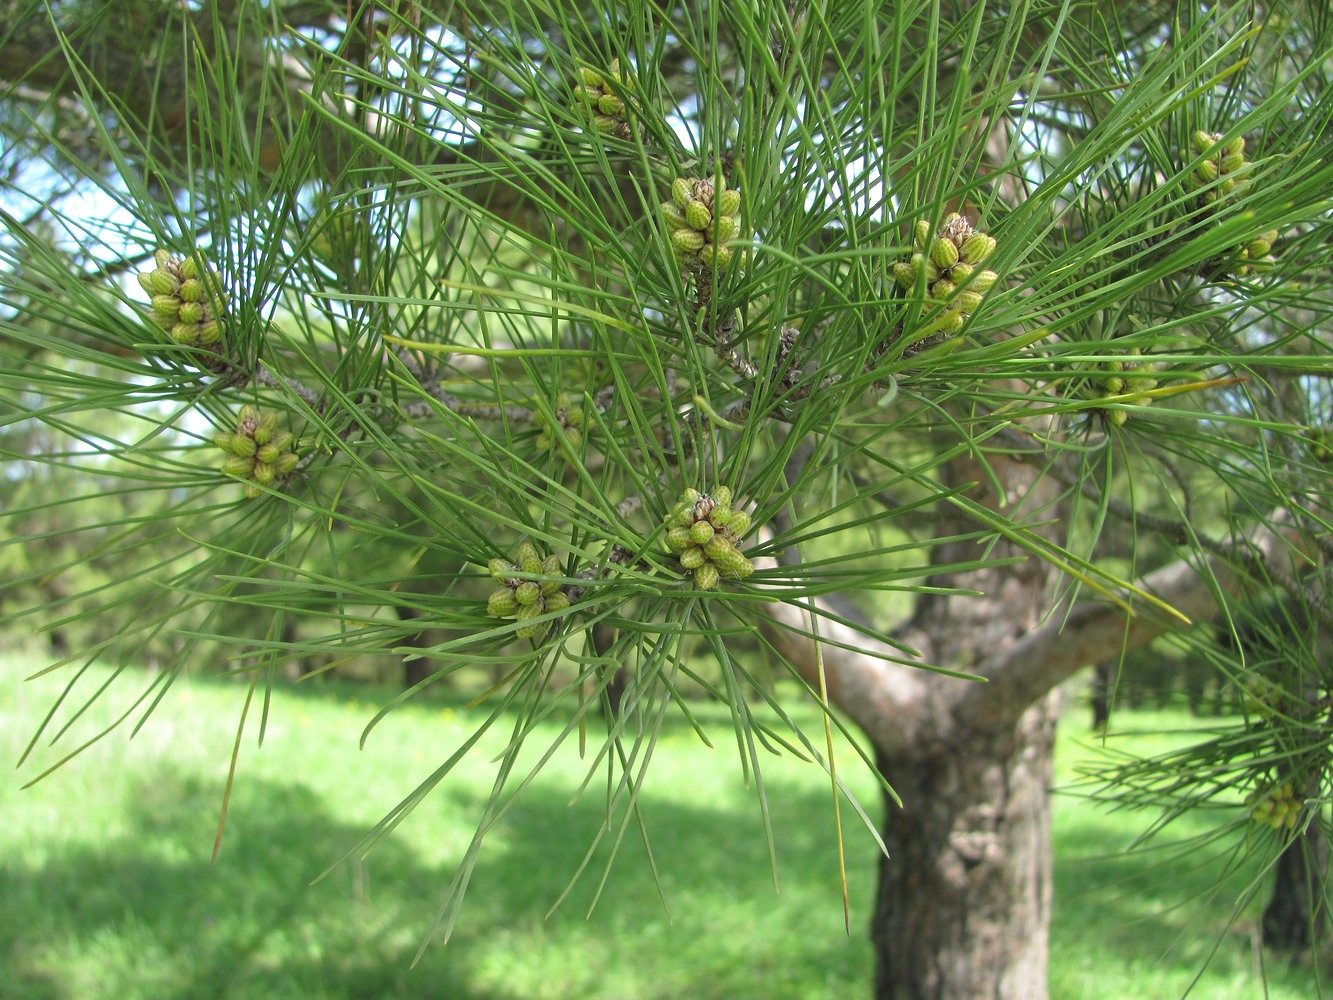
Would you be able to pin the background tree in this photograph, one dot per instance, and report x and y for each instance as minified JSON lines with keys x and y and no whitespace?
{"x":549,"y":310}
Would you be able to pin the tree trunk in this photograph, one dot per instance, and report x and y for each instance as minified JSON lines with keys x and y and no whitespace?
{"x":963,"y":904}
{"x":1294,"y":916}
{"x":416,"y":669}
{"x":603,"y":639}
{"x":965,"y":892}
{"x":1103,"y":683}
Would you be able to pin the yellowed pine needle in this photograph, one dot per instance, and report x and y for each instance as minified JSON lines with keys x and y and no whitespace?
{"x":231,"y":770}
{"x":833,"y":774}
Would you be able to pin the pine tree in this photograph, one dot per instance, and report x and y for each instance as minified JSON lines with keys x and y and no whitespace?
{"x":608,"y":338}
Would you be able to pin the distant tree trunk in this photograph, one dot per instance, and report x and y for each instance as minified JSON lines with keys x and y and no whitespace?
{"x":603,"y":638}
{"x":1103,"y":681}
{"x":416,"y":669}
{"x":1296,"y":913}
{"x":57,"y":639}
{"x":298,"y":665}
{"x":58,"y":643}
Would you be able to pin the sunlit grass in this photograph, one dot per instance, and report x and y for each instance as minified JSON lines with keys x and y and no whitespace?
{"x":106,"y":888}
{"x":110,"y":892}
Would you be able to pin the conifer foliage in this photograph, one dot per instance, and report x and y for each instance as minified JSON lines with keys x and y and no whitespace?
{"x":609,"y":342}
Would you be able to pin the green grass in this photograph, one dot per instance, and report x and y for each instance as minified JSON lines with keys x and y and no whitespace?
{"x":106,"y":888}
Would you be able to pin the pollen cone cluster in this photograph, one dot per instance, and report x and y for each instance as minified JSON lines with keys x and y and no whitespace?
{"x":704,"y":533}
{"x":569,"y":421}
{"x":1321,"y":443}
{"x":259,"y":451}
{"x":1119,"y":377}
{"x":950,"y":261}
{"x":1219,"y":176}
{"x":186,"y":299}
{"x":524,"y":599}
{"x":602,"y":101}
{"x":1277,"y":807}
{"x":1220,"y":164}
{"x":1254,"y":255}
{"x":700,"y":217}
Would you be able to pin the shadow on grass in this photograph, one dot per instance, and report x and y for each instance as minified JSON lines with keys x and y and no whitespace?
{"x":728,"y":934}
{"x":147,"y":915}
{"x":1169,"y":905}
{"x":144,"y":913}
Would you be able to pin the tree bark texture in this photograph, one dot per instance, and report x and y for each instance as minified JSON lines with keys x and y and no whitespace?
{"x":964,"y":895}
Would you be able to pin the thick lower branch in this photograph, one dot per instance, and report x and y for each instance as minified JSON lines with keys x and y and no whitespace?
{"x":865,"y":679}
{"x":1095,"y":631}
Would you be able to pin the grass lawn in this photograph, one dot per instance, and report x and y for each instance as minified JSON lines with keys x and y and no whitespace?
{"x":107,"y":890}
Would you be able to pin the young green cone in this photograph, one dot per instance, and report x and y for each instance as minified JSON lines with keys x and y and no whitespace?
{"x":257,"y":452}
{"x":1120,"y":377}
{"x":600,"y":97}
{"x":704,"y":533}
{"x":525,"y":599}
{"x":700,"y":217}
{"x":185,"y":297}
{"x":946,"y":265}
{"x":1219,"y":177}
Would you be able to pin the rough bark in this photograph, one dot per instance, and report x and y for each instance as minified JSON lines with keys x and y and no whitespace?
{"x":964,"y":898}
{"x":964,"y":895}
